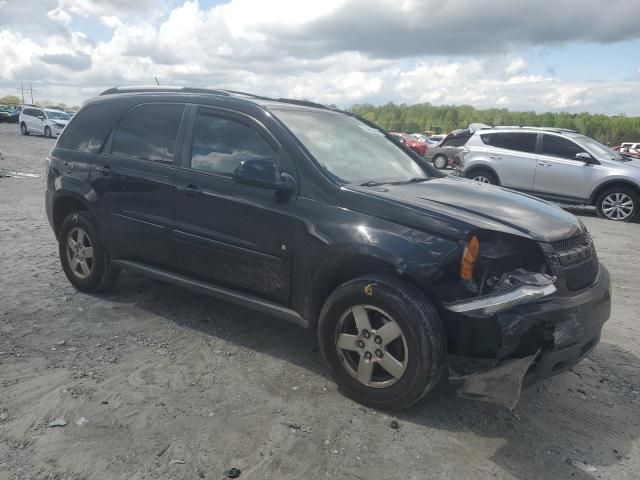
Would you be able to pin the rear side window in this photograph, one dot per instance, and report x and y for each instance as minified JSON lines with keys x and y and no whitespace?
{"x":559,"y":147}
{"x":220,"y":144}
{"x":90,"y":127}
{"x":520,"y":142}
{"x":149,"y":132}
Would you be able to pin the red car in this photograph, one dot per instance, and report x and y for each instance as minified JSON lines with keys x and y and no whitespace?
{"x":415,"y":145}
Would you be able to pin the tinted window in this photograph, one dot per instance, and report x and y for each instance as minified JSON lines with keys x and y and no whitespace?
{"x":32,"y":112}
{"x":520,"y":142}
{"x":148,"y":132}
{"x":454,"y":142}
{"x":90,"y":127}
{"x":559,"y":147}
{"x":219,"y":145}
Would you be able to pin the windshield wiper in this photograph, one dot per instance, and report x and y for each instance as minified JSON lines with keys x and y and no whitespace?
{"x":412,"y":180}
{"x":370,"y":183}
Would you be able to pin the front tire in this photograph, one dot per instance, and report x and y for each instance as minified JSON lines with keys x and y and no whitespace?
{"x":383,"y":341}
{"x":483,"y":176}
{"x":47,"y":132}
{"x":23,"y":128}
{"x":440,"y":162}
{"x":620,"y":204}
{"x":84,"y":256}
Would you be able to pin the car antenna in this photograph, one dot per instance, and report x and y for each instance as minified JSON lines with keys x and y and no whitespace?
{"x":156,"y":79}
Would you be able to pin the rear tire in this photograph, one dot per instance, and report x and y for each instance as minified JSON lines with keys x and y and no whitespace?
{"x":440,"y":162}
{"x":84,"y":256}
{"x":390,"y":356}
{"x":483,"y":176}
{"x":23,"y":128}
{"x":620,"y":204}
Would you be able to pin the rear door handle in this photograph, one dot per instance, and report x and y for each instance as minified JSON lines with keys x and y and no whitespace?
{"x":191,"y":190}
{"x":106,"y":170}
{"x":544,"y":164}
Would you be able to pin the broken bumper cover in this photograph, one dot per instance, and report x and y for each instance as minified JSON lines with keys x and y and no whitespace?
{"x":572,"y":326}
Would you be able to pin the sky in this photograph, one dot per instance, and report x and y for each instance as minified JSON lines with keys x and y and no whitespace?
{"x":541,"y":55}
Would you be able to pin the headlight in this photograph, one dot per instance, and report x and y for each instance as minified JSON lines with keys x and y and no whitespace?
{"x":59,"y":125}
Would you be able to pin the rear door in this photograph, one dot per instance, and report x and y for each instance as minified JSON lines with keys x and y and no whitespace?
{"x":231,"y":234}
{"x":559,"y":172}
{"x":513,"y":156}
{"x":134,"y":178}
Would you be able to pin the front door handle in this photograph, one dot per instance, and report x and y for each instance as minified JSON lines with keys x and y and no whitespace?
{"x":190,"y":190}
{"x":495,"y":157}
{"x":544,"y":164}
{"x":106,"y":170}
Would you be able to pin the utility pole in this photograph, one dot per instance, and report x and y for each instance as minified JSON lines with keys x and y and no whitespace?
{"x":31,"y":89}
{"x":21,"y":88}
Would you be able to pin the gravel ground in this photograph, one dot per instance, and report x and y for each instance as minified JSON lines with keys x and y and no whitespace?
{"x":158,"y":382}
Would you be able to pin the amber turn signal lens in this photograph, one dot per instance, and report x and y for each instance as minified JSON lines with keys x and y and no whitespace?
{"x":469,"y":258}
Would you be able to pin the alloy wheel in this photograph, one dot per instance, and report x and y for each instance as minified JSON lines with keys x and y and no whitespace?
{"x":440,"y":162}
{"x":481,"y":179}
{"x":79,"y":253}
{"x":617,"y":206}
{"x":371,"y":346}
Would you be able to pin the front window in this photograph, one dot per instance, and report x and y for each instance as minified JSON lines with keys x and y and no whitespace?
{"x":348,"y":149}
{"x":53,"y":115}
{"x":598,"y":150}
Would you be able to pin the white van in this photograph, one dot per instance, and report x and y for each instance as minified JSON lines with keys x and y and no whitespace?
{"x":43,"y":121}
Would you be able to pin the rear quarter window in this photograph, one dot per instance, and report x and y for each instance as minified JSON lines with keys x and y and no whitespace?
{"x":89,"y":128}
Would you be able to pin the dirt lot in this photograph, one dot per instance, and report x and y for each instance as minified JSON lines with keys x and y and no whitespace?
{"x":158,"y":382}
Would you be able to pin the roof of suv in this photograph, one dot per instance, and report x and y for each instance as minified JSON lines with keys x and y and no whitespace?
{"x":243,"y":96}
{"x":527,"y":128}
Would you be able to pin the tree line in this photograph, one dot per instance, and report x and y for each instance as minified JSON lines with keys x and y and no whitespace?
{"x":426,"y":117}
{"x":15,"y":100}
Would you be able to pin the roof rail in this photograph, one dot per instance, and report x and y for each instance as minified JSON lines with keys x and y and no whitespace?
{"x":304,"y":103}
{"x":162,"y":88}
{"x":534,"y":127}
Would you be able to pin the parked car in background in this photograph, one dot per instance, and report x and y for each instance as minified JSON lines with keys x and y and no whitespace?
{"x":320,"y":218}
{"x":5,"y":114}
{"x":435,"y":139}
{"x":415,"y":145}
{"x":443,"y":154}
{"x":555,"y":164}
{"x":43,"y":121}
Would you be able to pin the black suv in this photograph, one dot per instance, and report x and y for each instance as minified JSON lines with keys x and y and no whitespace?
{"x":321,"y":218}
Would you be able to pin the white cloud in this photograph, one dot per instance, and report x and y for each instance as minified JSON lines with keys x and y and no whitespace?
{"x":334,"y":51}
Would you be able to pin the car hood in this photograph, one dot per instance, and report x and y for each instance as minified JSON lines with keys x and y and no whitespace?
{"x":461,"y":205}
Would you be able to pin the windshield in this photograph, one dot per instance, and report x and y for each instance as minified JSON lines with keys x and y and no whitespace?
{"x":351,"y":151}
{"x":599,"y":150}
{"x":54,"y":115}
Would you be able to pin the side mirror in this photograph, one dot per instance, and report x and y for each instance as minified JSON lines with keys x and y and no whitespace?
{"x":263,"y":174}
{"x":586,"y":158}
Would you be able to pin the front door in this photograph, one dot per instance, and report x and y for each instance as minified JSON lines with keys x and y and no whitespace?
{"x":230,"y":234}
{"x":559,"y":172}
{"x":134,"y":179}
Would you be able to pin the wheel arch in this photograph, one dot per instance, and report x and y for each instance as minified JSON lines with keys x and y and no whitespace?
{"x":617,"y":182}
{"x":478,"y":167}
{"x":64,"y":204}
{"x":342,"y":268}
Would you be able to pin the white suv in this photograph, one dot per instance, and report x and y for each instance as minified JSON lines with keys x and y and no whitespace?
{"x":555,"y":164}
{"x":43,"y":121}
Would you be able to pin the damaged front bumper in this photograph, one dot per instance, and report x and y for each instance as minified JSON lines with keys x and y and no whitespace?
{"x":543,"y":335}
